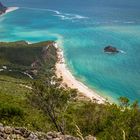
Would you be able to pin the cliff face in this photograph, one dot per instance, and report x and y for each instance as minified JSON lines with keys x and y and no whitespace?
{"x":2,"y":8}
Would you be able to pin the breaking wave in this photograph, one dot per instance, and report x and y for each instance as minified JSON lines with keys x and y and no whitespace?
{"x":121,"y":51}
{"x":67,"y":16}
{"x":63,"y":16}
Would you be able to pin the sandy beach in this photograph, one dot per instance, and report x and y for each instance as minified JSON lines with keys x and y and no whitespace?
{"x":71,"y":81}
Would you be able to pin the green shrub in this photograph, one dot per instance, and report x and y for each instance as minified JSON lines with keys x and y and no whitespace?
{"x":10,"y":111}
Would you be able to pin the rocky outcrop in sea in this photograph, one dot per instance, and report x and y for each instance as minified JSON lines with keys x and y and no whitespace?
{"x":111,"y":49}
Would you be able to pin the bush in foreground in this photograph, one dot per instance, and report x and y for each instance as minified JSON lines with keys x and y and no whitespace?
{"x":105,"y":121}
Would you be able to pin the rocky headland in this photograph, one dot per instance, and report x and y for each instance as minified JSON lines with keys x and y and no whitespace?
{"x":2,"y":8}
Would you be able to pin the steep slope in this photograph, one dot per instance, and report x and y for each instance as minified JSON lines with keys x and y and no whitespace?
{"x":20,"y":64}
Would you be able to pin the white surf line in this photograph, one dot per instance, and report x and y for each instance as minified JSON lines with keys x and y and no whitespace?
{"x":121,"y":51}
{"x":64,"y":15}
{"x":71,"y":81}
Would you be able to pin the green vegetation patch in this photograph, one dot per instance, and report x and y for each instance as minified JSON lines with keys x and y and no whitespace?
{"x":32,"y":96}
{"x":18,"y":60}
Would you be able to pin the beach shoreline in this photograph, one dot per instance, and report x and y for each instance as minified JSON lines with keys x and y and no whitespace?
{"x":71,"y":81}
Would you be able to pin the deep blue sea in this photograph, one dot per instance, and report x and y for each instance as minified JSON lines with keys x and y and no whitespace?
{"x":83,"y":29}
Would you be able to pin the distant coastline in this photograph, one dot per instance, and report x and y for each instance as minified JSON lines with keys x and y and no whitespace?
{"x":10,"y":9}
{"x":71,"y":81}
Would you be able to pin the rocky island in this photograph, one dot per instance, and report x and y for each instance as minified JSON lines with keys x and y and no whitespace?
{"x":111,"y":49}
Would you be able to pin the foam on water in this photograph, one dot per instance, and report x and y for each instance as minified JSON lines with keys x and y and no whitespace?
{"x":68,"y":16}
{"x":121,"y":51}
{"x":63,"y":16}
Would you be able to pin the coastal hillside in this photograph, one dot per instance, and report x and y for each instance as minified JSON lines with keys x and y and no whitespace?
{"x":33,"y":98}
{"x":27,"y":60}
{"x":44,"y":96}
{"x":20,"y":64}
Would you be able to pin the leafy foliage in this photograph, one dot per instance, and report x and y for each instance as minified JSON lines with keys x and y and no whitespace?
{"x":43,"y":104}
{"x":105,"y":121}
{"x":15,"y":86}
{"x":53,"y":100}
{"x":10,"y":111}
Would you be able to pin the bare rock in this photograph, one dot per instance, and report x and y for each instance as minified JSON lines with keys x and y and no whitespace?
{"x":67,"y":137}
{"x":10,"y":133}
{"x":111,"y":49}
{"x":1,"y":138}
{"x":24,"y":132}
{"x":3,"y":135}
{"x":8,"y":129}
{"x":57,"y":139}
{"x":49,"y":137}
{"x":1,"y":128}
{"x":17,"y":131}
{"x":90,"y":138}
{"x":52,"y":135}
{"x":32,"y":136}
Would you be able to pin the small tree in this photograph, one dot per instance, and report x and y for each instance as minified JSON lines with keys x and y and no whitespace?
{"x":135,"y":105}
{"x":124,"y":102}
{"x":53,"y":100}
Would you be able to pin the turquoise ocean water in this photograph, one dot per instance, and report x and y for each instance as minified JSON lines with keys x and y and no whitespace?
{"x":83,"y":33}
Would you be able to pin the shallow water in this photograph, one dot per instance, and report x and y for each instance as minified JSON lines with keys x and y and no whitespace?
{"x":83,"y":35}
